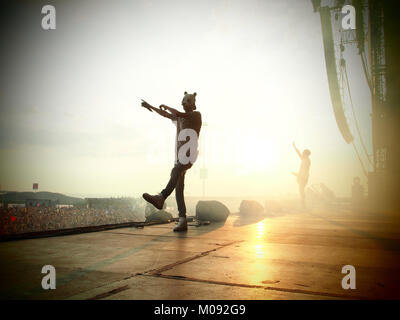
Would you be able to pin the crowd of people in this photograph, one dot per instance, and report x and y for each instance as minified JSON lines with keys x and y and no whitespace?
{"x":16,"y":220}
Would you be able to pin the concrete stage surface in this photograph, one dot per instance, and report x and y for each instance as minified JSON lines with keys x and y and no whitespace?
{"x":291,"y":255}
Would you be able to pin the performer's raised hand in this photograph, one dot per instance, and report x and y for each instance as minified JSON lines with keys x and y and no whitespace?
{"x":297,"y":150}
{"x":146,"y":105}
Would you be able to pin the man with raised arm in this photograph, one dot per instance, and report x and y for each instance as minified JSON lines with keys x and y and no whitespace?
{"x":302,"y":175}
{"x":188,"y":125}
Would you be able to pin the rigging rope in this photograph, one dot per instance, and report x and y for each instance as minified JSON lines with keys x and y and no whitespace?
{"x":367,"y":74}
{"x":355,"y":117}
{"x":359,"y":158}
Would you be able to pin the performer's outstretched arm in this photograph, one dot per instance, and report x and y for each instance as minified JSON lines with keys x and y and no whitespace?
{"x":297,"y":150}
{"x":174,"y":111}
{"x":159,"y":111}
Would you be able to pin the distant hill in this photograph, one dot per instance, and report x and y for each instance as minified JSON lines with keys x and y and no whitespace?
{"x":20,"y":197}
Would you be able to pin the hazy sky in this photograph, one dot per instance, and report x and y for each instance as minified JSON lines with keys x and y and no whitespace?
{"x":71,"y":120}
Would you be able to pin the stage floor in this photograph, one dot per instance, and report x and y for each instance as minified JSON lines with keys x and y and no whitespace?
{"x":290,"y":255}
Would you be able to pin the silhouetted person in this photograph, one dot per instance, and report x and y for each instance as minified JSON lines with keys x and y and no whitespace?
{"x":357,"y":192}
{"x":190,"y":119}
{"x":302,"y":175}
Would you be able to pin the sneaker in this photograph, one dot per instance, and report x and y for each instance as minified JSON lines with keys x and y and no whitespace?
{"x":157,"y":200}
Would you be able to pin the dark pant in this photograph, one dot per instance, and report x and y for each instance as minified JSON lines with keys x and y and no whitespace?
{"x":177,"y":182}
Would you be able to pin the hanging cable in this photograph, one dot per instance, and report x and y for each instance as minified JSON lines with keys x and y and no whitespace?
{"x":359,"y":158}
{"x":354,"y":116}
{"x":366,"y":72}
